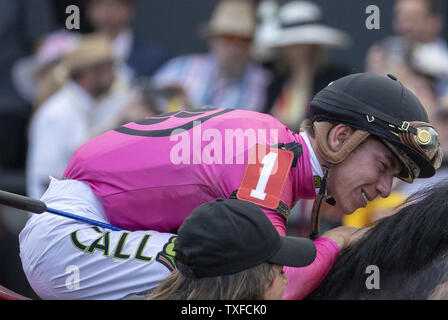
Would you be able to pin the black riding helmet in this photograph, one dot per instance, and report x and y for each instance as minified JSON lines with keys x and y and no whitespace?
{"x":385,"y":108}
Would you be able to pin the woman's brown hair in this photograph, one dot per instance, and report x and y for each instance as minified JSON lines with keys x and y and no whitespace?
{"x":248,"y":284}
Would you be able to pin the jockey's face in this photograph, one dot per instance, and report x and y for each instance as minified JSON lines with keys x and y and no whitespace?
{"x":364,"y":175}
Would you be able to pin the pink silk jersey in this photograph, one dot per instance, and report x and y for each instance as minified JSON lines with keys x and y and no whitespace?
{"x":151,"y":174}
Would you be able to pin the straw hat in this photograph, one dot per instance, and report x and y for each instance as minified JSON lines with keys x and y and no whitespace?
{"x":301,"y":22}
{"x":92,"y":49}
{"x":233,"y":18}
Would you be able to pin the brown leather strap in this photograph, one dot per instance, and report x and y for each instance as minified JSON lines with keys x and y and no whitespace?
{"x":322,"y":129}
{"x":282,"y":208}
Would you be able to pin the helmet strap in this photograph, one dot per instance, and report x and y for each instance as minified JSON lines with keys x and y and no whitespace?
{"x":315,"y":215}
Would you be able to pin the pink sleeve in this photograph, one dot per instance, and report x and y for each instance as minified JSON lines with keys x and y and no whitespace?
{"x":302,"y":281}
{"x":277,"y":220}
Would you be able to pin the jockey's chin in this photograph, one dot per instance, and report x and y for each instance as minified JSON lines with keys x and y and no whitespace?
{"x":352,"y":202}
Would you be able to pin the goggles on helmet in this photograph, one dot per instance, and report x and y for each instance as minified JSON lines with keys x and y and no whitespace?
{"x":422,"y":137}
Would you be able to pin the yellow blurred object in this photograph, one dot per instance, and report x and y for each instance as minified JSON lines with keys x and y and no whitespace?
{"x":175,"y":104}
{"x":374,"y":210}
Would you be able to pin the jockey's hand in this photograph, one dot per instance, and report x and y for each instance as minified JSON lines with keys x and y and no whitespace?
{"x":345,"y":235}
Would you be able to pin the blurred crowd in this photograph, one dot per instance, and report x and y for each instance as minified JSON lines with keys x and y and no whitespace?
{"x":60,"y":88}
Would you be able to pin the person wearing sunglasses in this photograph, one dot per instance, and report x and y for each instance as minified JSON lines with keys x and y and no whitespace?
{"x":362,"y":131}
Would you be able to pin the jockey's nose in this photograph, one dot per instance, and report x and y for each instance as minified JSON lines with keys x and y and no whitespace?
{"x":384,"y":185}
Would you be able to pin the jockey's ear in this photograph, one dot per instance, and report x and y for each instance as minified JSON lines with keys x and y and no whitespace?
{"x":338,"y":135}
{"x":336,"y":142}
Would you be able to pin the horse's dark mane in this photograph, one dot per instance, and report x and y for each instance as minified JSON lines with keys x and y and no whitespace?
{"x":408,"y":247}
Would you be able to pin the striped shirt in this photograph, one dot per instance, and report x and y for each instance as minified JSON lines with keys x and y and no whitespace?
{"x":198,"y":75}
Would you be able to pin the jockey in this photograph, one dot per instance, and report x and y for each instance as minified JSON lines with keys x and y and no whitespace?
{"x":146,"y":177}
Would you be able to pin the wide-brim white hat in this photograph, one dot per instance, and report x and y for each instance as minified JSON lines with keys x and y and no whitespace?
{"x":300,"y":22}
{"x":310,"y":34}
